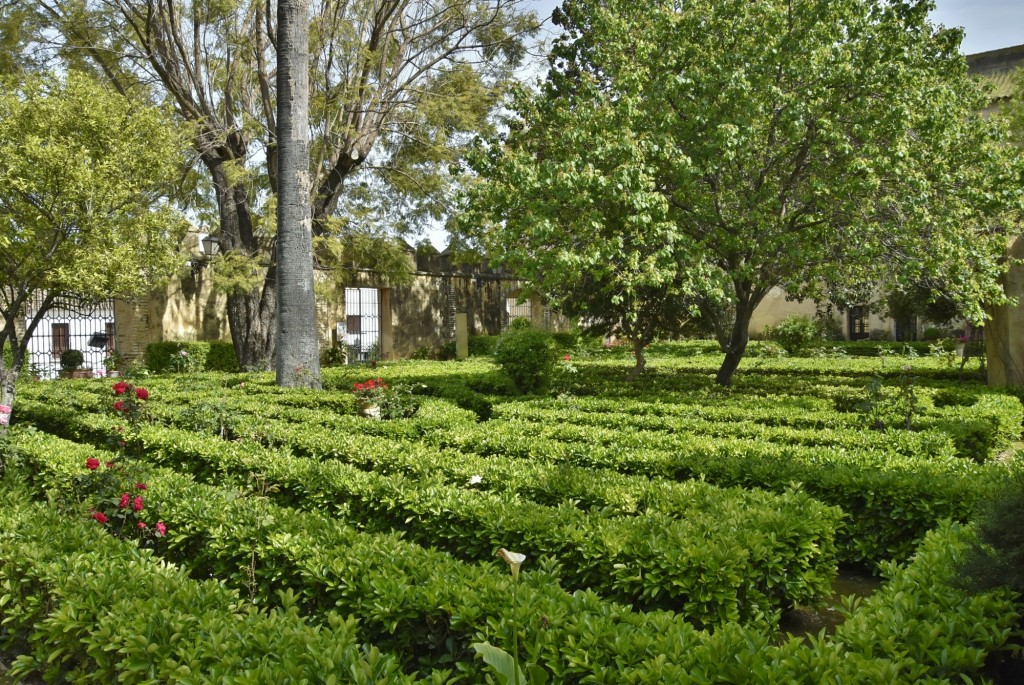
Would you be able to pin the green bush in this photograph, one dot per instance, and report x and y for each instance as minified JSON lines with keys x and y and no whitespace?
{"x":221,"y":357}
{"x":765,"y":349}
{"x":796,"y":333}
{"x":527,"y":356}
{"x":82,"y":606}
{"x":482,"y":345}
{"x":996,"y":557}
{"x":71,"y":592}
{"x":71,"y":360}
{"x":167,"y":357}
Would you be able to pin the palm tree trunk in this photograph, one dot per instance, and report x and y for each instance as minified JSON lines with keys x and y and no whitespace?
{"x":298,"y":349}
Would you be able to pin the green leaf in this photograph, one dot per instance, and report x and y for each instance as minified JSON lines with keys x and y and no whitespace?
{"x":501,"y":661}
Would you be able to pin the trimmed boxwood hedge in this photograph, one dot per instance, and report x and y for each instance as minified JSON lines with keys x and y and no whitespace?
{"x":216,"y":355}
{"x":726,"y":563}
{"x":919,"y":628}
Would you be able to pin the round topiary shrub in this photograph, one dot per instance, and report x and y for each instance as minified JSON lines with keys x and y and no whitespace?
{"x":797,"y":334}
{"x":71,"y":360}
{"x":527,"y":356}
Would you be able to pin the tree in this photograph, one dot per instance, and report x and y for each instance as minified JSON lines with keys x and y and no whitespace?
{"x":806,"y":144}
{"x":580,"y":215}
{"x":397,"y":86}
{"x":83,"y":175}
{"x":298,"y":349}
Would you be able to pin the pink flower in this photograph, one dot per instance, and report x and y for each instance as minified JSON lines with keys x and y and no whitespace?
{"x":142,"y":393}
{"x":566,"y":358}
{"x":100,"y":516}
{"x":125,"y":498}
{"x":161,"y":529}
{"x":92,"y":463}
{"x":141,"y":525}
{"x":141,"y":486}
{"x":137,"y":504}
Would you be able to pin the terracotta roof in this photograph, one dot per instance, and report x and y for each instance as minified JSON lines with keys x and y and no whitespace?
{"x":997,"y":67}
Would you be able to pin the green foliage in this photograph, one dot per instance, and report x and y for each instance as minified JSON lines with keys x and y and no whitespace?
{"x":332,"y":356}
{"x":74,"y":591}
{"x":483,"y":345}
{"x":399,"y":591}
{"x":598,"y":548}
{"x":996,"y":557}
{"x":796,"y":334}
{"x":100,"y":164}
{"x":71,"y":360}
{"x":715,"y":150}
{"x":167,"y":357}
{"x":527,"y":356}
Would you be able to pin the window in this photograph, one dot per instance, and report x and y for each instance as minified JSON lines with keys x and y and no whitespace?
{"x":61,"y":334}
{"x":857,"y":322}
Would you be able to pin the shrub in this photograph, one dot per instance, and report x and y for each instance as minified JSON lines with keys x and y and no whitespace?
{"x":765,"y":349}
{"x":996,"y":558}
{"x":527,"y":356}
{"x":797,"y":334}
{"x":931,"y":334}
{"x":482,"y":345}
{"x":171,"y":356}
{"x":221,"y":357}
{"x":71,"y":360}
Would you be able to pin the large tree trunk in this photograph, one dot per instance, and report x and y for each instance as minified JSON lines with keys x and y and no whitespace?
{"x":251,"y":312}
{"x":298,"y":349}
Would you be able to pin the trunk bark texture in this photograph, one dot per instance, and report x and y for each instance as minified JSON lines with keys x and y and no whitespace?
{"x":298,"y":345}
{"x":736,"y":344}
{"x":641,"y":360}
{"x":251,"y":313}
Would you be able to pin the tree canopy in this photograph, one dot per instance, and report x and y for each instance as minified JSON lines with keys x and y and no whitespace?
{"x":398,"y":87}
{"x":84,"y":178}
{"x":732,"y":147}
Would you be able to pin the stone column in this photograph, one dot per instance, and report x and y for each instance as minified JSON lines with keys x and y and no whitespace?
{"x":387,"y":330}
{"x":461,"y":335}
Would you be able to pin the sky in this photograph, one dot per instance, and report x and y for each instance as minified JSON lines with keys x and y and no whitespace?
{"x":989,"y":24}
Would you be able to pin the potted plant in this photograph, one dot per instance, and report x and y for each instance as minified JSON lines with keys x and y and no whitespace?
{"x":114,"y":363}
{"x":71,"y":365}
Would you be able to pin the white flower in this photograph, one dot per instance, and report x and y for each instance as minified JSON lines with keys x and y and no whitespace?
{"x":513,"y":559}
{"x":476,"y":480}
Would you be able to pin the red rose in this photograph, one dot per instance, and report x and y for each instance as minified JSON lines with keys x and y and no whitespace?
{"x":92,"y":463}
{"x":125,"y":498}
{"x":141,"y":525}
{"x":141,"y":486}
{"x":110,"y":464}
{"x":161,"y":529}
{"x":360,"y":386}
{"x":142,"y":393}
{"x":119,"y":406}
{"x":100,"y":516}
{"x":120,"y":388}
{"x":137,"y":504}
{"x":566,"y":358}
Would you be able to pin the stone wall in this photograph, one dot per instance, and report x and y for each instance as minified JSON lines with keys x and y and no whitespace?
{"x":1004,"y":334}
